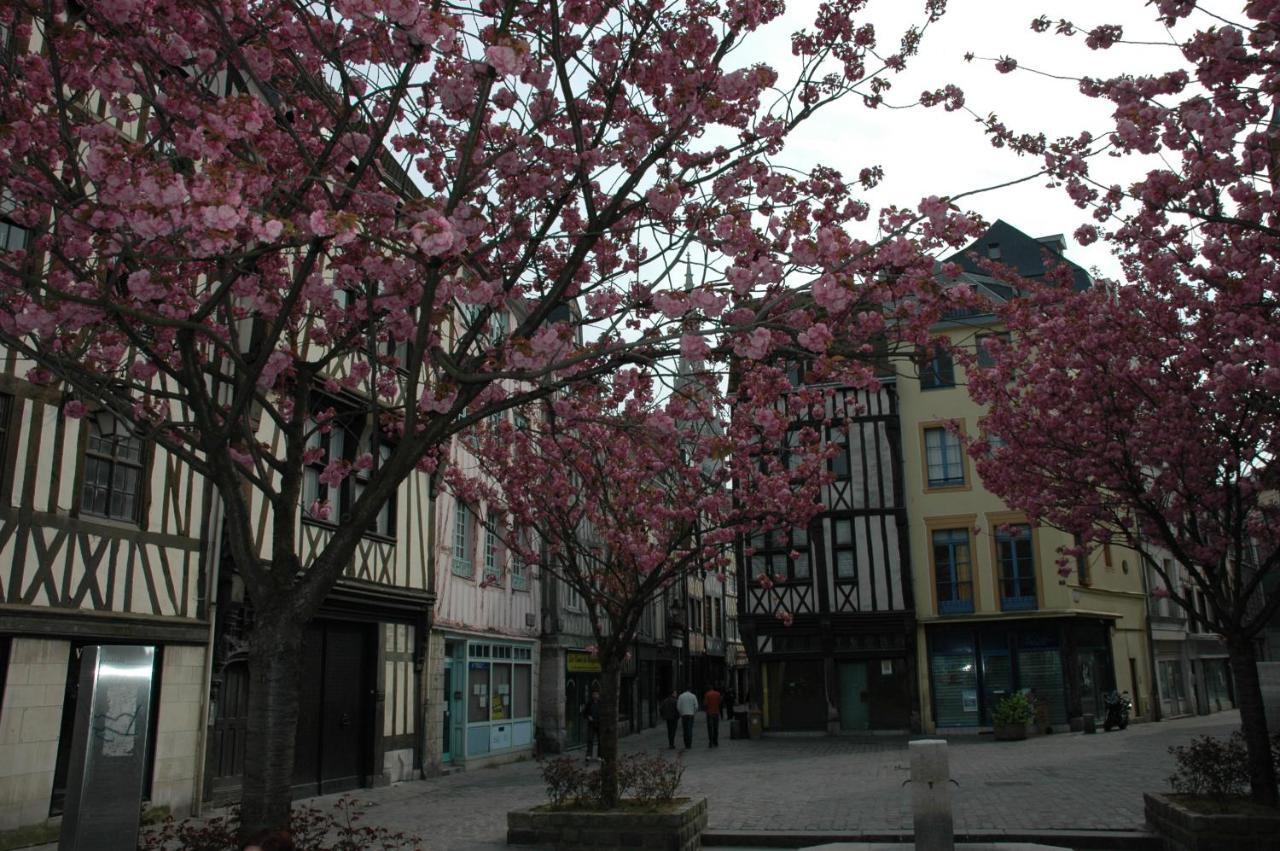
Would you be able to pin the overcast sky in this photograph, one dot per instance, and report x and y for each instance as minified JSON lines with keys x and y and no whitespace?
{"x":928,"y":152}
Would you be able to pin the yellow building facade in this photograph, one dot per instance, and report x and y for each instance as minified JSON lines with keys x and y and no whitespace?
{"x":993,"y":613}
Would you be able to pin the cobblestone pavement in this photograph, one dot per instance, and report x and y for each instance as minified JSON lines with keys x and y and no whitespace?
{"x":1065,"y":781}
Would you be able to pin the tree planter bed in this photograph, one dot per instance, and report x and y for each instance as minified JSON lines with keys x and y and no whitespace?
{"x":676,"y":827}
{"x":1182,"y":828}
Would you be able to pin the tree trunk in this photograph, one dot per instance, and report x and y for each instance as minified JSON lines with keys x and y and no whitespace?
{"x":275,"y":652}
{"x":610,"y":680}
{"x":1253,"y":721}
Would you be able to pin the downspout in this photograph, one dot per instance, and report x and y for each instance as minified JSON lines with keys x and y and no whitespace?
{"x":1146,"y":619}
{"x":214,"y":535}
{"x":424,"y":673}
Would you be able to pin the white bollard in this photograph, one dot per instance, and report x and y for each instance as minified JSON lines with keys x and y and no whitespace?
{"x":931,"y":795}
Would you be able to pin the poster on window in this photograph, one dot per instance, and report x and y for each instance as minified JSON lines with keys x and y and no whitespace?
{"x":969,"y":700}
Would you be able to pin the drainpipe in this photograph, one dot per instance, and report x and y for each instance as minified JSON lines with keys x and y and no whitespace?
{"x":213,"y":534}
{"x":1146,"y":619}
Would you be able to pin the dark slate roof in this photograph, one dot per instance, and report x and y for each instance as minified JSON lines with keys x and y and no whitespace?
{"x":1025,"y":254}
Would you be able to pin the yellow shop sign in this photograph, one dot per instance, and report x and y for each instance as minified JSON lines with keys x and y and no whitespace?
{"x":582,"y":663}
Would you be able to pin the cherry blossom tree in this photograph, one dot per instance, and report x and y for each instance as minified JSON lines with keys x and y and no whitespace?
{"x":234,"y":213}
{"x":1145,"y":410}
{"x":622,"y":494}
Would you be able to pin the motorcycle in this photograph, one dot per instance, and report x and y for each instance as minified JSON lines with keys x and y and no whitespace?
{"x":1118,"y":706}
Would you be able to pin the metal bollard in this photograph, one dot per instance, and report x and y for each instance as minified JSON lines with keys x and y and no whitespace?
{"x":931,"y":795}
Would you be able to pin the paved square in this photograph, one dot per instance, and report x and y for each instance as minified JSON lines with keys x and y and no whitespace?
{"x":1066,"y":781}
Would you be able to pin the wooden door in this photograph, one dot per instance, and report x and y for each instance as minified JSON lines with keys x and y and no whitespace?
{"x":345,"y":725}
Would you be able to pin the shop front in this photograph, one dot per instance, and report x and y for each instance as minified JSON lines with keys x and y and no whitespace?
{"x":1064,"y":664}
{"x":489,"y":707}
{"x":581,"y":675}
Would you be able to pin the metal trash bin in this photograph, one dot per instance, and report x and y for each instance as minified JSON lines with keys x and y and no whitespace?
{"x":740,"y":728}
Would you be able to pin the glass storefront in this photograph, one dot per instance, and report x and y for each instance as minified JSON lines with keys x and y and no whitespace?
{"x":498,"y":696}
{"x":972,"y":668}
{"x":1217,"y":685}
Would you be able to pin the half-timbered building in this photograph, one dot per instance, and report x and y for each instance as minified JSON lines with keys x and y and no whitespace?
{"x":846,"y":661}
{"x":102,"y":540}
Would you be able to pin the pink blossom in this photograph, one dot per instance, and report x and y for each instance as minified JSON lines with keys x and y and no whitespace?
{"x":73,"y":409}
{"x":319,"y":509}
{"x":434,"y":235}
{"x":508,"y":61}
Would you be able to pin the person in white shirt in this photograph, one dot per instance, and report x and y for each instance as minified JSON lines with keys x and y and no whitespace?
{"x":687,"y":704}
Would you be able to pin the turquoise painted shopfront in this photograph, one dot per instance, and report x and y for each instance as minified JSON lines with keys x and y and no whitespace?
{"x":493,"y":715}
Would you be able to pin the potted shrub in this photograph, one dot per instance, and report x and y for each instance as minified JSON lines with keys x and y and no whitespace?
{"x":648,"y":815}
{"x":1011,"y":717}
{"x":1208,"y":809}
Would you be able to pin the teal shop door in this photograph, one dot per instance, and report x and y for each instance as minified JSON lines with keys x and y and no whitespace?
{"x":854,"y":703}
{"x":446,"y":748}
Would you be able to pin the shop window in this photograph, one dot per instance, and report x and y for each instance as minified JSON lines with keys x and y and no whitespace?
{"x":522,"y":687}
{"x":500,"y":703}
{"x":939,"y":371}
{"x":113,"y":465}
{"x":944,"y":458}
{"x":462,"y":521}
{"x":955,"y":690}
{"x":1014,"y":552}
{"x":477,"y":692}
{"x":953,"y":571}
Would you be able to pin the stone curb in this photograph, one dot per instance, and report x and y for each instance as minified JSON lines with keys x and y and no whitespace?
{"x":1081,"y":840}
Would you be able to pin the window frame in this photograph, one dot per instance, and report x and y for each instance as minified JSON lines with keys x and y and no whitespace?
{"x":942,"y":427}
{"x":838,"y":547}
{"x":951,"y":526}
{"x":114,"y":463}
{"x":939,"y":371}
{"x":983,"y":357}
{"x":771,"y":551}
{"x":462,"y":559}
{"x":357,"y":433}
{"x":494,"y":554}
{"x":1018,"y":602}
{"x":8,"y":450}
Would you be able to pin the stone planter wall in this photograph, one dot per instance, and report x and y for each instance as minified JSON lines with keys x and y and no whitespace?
{"x":1183,"y":829}
{"x":678,"y":829}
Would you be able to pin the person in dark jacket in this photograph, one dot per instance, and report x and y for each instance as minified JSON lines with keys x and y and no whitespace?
{"x":671,"y":714}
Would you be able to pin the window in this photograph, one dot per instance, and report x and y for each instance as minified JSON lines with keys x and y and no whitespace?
{"x":985,"y":356}
{"x":839,"y":463}
{"x":492,"y":550}
{"x":1082,"y":562}
{"x":846,"y":563}
{"x":1014,"y":554}
{"x":12,"y":237}
{"x":384,"y":522}
{"x":6,"y":414}
{"x":944,"y":458}
{"x":348,"y":436}
{"x":520,"y":570}
{"x":953,"y":571}
{"x":773,"y":555}
{"x":462,"y":541}
{"x":940,"y":371}
{"x":112,"y":470}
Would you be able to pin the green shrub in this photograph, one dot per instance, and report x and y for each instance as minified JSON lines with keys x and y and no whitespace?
{"x":1211,"y":768}
{"x":647,"y":779}
{"x":1014,"y":709}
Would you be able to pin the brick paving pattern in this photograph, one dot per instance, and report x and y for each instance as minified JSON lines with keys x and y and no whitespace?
{"x":1065,"y":781}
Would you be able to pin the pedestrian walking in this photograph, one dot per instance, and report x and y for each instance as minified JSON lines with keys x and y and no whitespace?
{"x":591,"y":715}
{"x":711,"y":701}
{"x":687,"y":704}
{"x":670,"y":713}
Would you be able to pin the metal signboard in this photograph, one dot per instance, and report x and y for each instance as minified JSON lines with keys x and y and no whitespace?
{"x":109,"y":749}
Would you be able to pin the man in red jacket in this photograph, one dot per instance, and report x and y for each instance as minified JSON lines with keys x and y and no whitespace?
{"x":711,"y":703}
